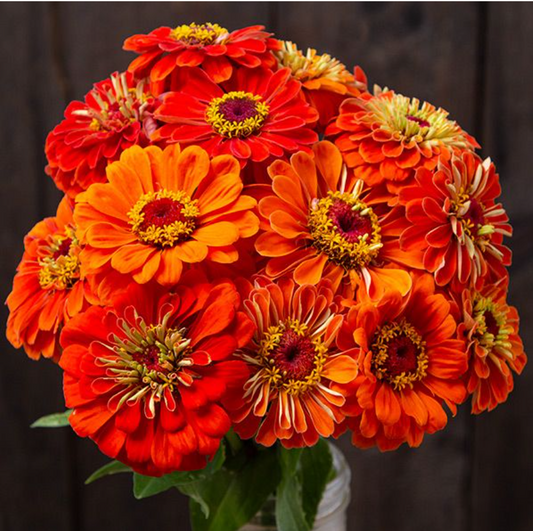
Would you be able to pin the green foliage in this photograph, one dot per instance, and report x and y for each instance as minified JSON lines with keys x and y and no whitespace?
{"x":113,"y":467}
{"x":232,"y":496}
{"x":55,"y":420}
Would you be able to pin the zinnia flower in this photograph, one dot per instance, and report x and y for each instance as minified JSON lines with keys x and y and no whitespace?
{"x":490,"y":327}
{"x":161,"y":209}
{"x":116,"y":114}
{"x":410,"y":366}
{"x":388,"y":136}
{"x":145,"y":376}
{"x":319,"y":225}
{"x":256,"y":115}
{"x":293,"y":364}
{"x":326,"y":82}
{"x":214,"y":48}
{"x":455,"y":220}
{"x":47,"y":290}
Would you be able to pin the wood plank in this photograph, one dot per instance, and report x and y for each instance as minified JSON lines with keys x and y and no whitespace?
{"x":503,"y":466}
{"x":34,"y":476}
{"x":419,"y":50}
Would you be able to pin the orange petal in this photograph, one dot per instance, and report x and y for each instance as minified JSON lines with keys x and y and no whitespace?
{"x":340,"y":369}
{"x":310,"y":271}
{"x":191,"y":251}
{"x":217,"y":234}
{"x":131,"y":257}
{"x":192,"y":167}
{"x":388,"y":409}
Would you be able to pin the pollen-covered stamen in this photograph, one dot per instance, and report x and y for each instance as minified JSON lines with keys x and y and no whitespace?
{"x":399,"y":355}
{"x":200,"y":34}
{"x":59,"y":262}
{"x":289,"y":357}
{"x":309,"y":66}
{"x":164,"y":218}
{"x":118,"y":106}
{"x":237,"y":114}
{"x":409,"y":119}
{"x":147,"y":362}
{"x":345,"y":229}
{"x":492,"y":330}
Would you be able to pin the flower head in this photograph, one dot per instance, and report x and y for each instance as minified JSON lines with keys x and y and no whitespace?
{"x":293,"y":365}
{"x":410,"y":366}
{"x":456,"y":222}
{"x":47,"y":290}
{"x":117,"y":113}
{"x":326,"y":82}
{"x":256,"y":115}
{"x":320,"y":224}
{"x":490,"y":328}
{"x":145,"y":375}
{"x":387,"y":137}
{"x":210,"y":46}
{"x":162,"y":209}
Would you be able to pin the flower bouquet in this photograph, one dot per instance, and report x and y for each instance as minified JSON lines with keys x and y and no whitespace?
{"x":255,"y":253}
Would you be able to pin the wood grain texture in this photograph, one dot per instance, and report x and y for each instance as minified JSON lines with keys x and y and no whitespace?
{"x":503,"y":464}
{"x":473,"y":60}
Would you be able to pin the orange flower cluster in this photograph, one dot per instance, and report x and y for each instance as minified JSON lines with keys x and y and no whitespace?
{"x":215,"y":265}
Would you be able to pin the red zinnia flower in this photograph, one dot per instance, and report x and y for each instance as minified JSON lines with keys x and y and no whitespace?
{"x":145,"y":376}
{"x":116,"y":114}
{"x":490,"y":327}
{"x":256,"y":115}
{"x":455,"y":220}
{"x":410,"y":365}
{"x":214,"y":48}
{"x":47,"y":290}
{"x":388,"y":136}
{"x":294,"y":364}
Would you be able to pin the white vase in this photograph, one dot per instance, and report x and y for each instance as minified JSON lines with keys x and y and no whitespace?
{"x":331,"y":515}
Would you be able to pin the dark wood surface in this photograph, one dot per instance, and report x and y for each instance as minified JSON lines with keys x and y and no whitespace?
{"x":473,"y":59}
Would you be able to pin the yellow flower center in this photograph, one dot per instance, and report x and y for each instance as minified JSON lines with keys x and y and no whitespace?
{"x":200,"y":34}
{"x":491,"y":324}
{"x":345,"y":229}
{"x":290,"y":358}
{"x":409,"y":119}
{"x":311,"y":65}
{"x":399,"y":355}
{"x":237,"y":114}
{"x":164,"y":218}
{"x":147,"y":361}
{"x":60,"y":266}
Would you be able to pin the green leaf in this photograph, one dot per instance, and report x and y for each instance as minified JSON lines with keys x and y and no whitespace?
{"x":233,"y":496}
{"x":316,"y":465}
{"x":55,"y":420}
{"x":290,"y":515}
{"x":114,"y":467}
{"x":146,"y":486}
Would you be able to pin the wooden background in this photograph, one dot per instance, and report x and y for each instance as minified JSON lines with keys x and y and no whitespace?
{"x":473,"y":59}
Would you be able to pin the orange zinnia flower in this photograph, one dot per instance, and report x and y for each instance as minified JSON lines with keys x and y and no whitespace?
{"x":293,"y":366}
{"x":456,"y":222}
{"x":490,"y":327}
{"x":117,"y":113}
{"x":164,"y":50}
{"x":326,"y":82}
{"x":161,"y":209}
{"x":388,"y":136}
{"x":256,"y":115}
{"x":319,"y":224}
{"x":47,"y":290}
{"x":410,"y":365}
{"x":145,"y":376}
